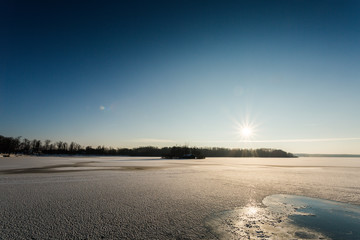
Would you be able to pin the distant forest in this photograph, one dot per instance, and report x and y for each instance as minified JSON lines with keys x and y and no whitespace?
{"x":10,"y":145}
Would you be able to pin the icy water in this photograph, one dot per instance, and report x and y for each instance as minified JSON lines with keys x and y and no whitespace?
{"x":288,"y":217}
{"x":335,"y":220}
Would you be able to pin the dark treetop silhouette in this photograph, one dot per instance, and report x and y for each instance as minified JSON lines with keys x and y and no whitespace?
{"x":37,"y":147}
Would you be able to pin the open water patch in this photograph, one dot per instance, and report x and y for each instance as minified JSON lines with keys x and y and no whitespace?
{"x":288,"y":217}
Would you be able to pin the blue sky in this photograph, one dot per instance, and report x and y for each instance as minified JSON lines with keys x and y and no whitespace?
{"x":136,"y":73}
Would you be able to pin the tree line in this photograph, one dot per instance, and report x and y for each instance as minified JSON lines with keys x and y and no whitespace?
{"x":10,"y":145}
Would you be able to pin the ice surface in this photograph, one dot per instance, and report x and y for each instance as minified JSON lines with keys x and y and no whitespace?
{"x":151,"y":198}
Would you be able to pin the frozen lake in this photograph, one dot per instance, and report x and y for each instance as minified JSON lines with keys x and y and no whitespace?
{"x":152,"y":198}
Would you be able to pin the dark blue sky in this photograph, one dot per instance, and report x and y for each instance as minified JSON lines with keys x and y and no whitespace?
{"x":129,"y":73}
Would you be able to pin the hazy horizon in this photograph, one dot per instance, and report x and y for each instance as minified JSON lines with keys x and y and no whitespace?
{"x":234,"y":74}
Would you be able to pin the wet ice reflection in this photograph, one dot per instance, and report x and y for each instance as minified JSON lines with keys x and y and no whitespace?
{"x":256,"y":221}
{"x":251,"y":211}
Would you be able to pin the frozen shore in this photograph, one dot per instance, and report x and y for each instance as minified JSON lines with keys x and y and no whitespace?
{"x":151,"y":198}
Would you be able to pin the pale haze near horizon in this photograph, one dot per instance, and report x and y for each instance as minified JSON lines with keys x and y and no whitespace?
{"x":131,"y":74}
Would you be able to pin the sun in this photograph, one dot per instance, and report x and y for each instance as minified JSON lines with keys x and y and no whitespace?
{"x":246,"y":132}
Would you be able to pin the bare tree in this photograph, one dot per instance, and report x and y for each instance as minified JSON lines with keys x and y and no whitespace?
{"x":26,"y":145}
{"x":36,"y":145}
{"x":59,"y":145}
{"x":47,"y":144}
{"x":65,"y":146}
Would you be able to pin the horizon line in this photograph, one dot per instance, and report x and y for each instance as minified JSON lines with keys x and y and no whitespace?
{"x":285,"y":140}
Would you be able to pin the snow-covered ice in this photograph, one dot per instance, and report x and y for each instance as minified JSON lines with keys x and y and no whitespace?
{"x":153,"y":198}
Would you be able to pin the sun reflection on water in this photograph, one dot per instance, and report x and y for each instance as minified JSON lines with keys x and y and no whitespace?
{"x":251,"y":211}
{"x":256,"y":221}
